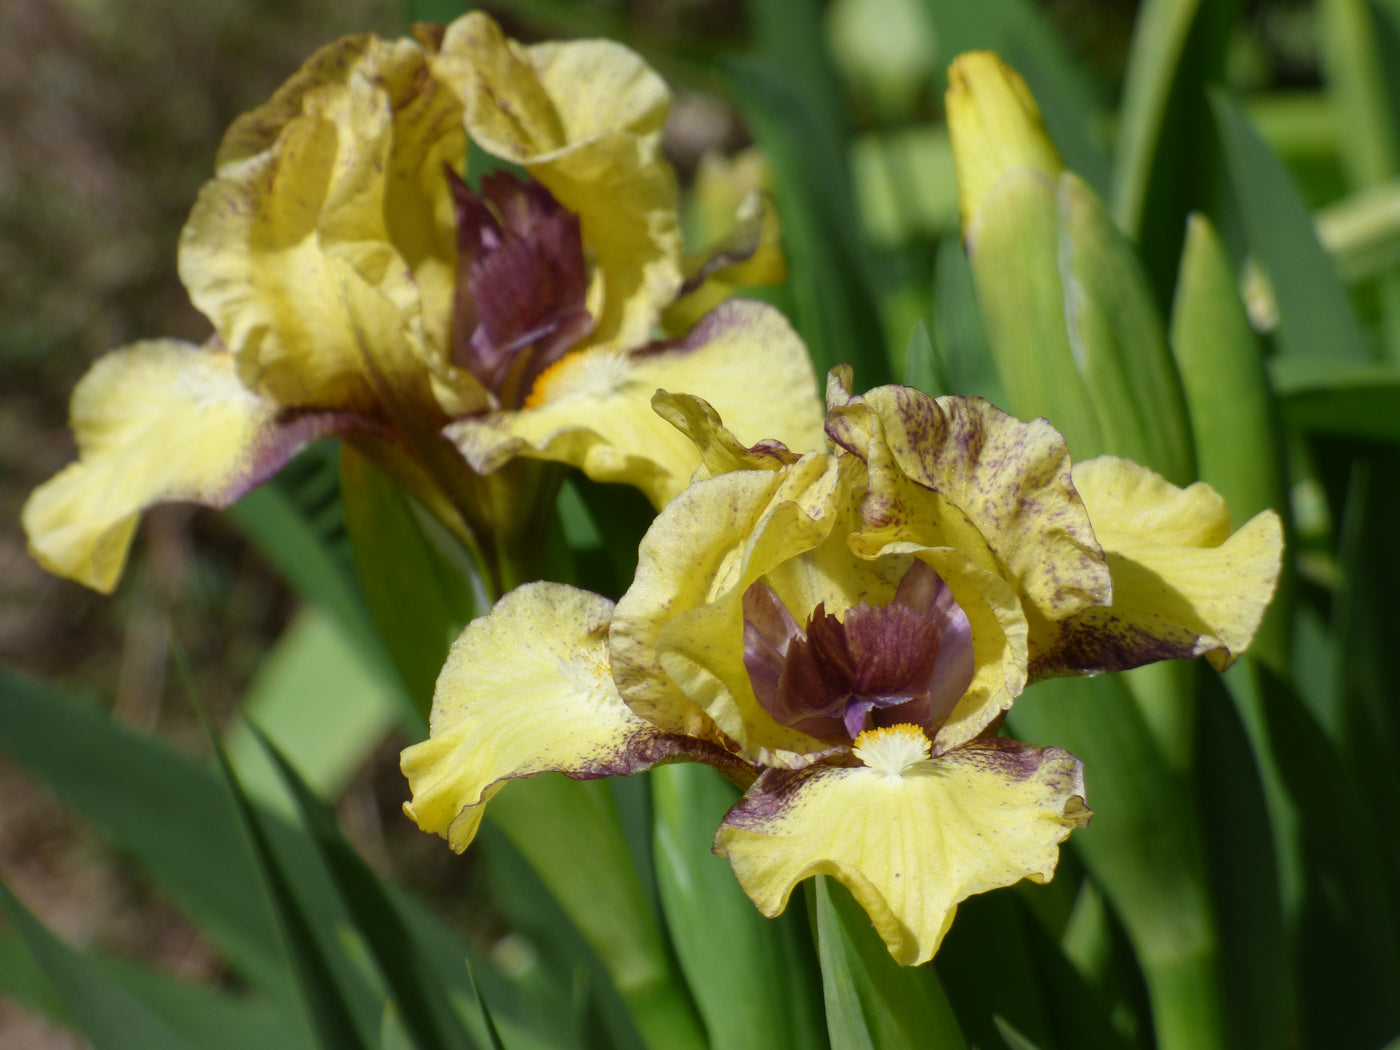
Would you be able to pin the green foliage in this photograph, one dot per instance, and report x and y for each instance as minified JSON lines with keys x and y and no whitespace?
{"x":1175,"y":297}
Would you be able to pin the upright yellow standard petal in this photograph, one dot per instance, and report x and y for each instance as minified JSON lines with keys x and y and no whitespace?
{"x":344,"y":165}
{"x":526,"y":690}
{"x":1184,"y":585}
{"x":995,"y":126}
{"x":156,"y":422}
{"x":584,"y":118}
{"x":593,"y":409}
{"x":909,"y":836}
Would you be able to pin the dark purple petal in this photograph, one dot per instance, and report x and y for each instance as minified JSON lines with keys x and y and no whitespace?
{"x":521,"y":283}
{"x":907,"y":661}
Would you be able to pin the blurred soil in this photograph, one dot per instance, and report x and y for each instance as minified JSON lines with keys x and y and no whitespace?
{"x":113,"y":110}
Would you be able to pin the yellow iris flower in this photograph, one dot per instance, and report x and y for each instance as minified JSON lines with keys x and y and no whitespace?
{"x":842,"y":632}
{"x":358,"y":287}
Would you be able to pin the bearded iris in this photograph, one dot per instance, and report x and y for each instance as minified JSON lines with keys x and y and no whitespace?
{"x":842,"y":632}
{"x":358,"y":287}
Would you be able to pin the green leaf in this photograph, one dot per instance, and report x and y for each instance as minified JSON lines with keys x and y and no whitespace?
{"x":1236,"y":820}
{"x":298,"y":522}
{"x":107,"y":1014}
{"x":162,"y":807}
{"x":1314,"y":316}
{"x":1348,"y":941}
{"x":1362,"y":54}
{"x":570,"y":834}
{"x":323,"y":703}
{"x":1232,"y":410}
{"x":1143,"y":848}
{"x":965,"y":365}
{"x":419,"y":993}
{"x":751,"y":977}
{"x":336,"y":1004}
{"x":1165,"y":167}
{"x":1072,"y":325}
{"x":1343,"y":398}
{"x":871,"y":1002}
{"x":831,"y":278}
{"x":1227,"y":387}
{"x":419,"y":594}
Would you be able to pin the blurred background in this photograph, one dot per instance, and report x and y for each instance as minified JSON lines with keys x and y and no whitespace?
{"x":112,"y":113}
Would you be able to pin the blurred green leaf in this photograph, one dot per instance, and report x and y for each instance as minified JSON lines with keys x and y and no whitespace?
{"x":1222,"y":371}
{"x":1339,"y":397}
{"x":206,"y":1018}
{"x":1165,"y":166}
{"x":341,"y":1014}
{"x":119,"y":780}
{"x":1143,"y":848}
{"x":323,"y":703}
{"x":965,"y":365}
{"x":831,"y":276}
{"x":871,"y":1002}
{"x":419,"y":993}
{"x":1022,"y":33}
{"x":751,"y":977}
{"x":109,"y":1016}
{"x":1362,"y":53}
{"x":570,"y":834}
{"x":1362,"y":231}
{"x":986,"y":969}
{"x":420,"y":597}
{"x":1348,"y":947}
{"x":1314,"y":316}
{"x":297,"y":521}
{"x":1260,"y":993}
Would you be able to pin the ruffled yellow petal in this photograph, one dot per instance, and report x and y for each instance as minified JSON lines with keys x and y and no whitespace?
{"x":909,"y":836}
{"x":583,"y":118}
{"x":958,"y":472}
{"x":526,"y":690}
{"x":995,"y":127}
{"x":156,"y":422}
{"x":344,"y":165}
{"x":1183,"y":584}
{"x":593,"y":409}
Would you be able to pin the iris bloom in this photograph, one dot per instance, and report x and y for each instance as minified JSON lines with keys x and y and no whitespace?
{"x":357,"y":286}
{"x":841,"y":633}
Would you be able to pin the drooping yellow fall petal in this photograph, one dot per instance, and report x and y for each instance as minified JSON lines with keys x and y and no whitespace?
{"x":909,"y":836}
{"x":593,"y":408}
{"x":1184,"y":585}
{"x":157,"y":422}
{"x":995,"y":126}
{"x":343,"y":166}
{"x":584,"y":118}
{"x":526,"y":690}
